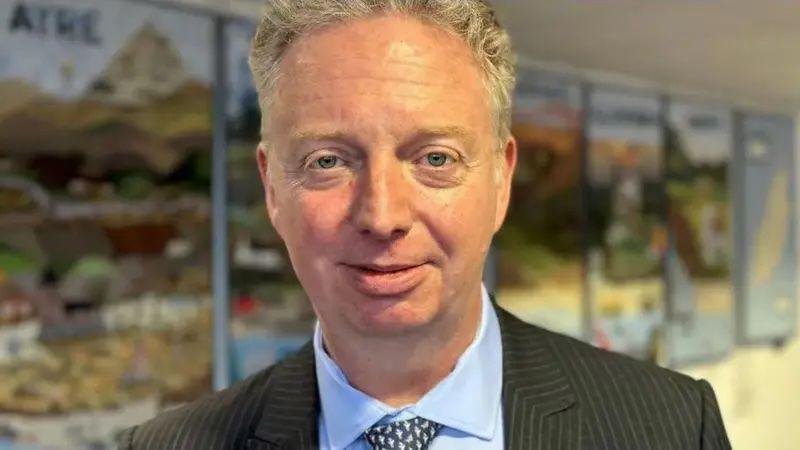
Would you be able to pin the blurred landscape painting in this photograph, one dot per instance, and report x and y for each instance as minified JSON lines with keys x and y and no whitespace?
{"x":539,"y":248}
{"x":626,"y":230}
{"x":700,"y":303}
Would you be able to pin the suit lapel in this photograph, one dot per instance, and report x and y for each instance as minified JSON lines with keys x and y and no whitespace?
{"x":539,"y":410}
{"x":289,"y":420}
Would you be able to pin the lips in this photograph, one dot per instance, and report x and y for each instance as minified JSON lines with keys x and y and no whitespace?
{"x":385,"y":268}
{"x":384,"y":279}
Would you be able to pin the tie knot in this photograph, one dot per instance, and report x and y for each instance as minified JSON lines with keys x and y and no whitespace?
{"x":412,"y":434}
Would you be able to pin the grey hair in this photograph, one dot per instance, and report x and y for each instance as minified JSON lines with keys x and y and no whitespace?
{"x":284,"y":21}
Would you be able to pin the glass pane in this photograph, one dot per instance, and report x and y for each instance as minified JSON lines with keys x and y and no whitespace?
{"x":768,"y":265}
{"x":627,"y":236}
{"x":104,"y":218}
{"x":539,"y":247}
{"x":698,"y":261}
{"x":270,"y":314}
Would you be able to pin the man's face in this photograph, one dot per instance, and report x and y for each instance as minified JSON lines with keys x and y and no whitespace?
{"x":383,"y":174}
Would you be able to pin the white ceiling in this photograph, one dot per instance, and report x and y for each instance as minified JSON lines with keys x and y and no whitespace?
{"x":746,"y":52}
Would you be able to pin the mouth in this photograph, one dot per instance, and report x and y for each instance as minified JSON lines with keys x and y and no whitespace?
{"x":384,"y":268}
{"x":385,"y":279}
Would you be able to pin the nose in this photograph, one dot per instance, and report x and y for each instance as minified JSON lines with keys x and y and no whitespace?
{"x":381,"y":208}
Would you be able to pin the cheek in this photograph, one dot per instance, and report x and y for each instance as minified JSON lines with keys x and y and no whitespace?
{"x":462,"y":222}
{"x":314,"y":218}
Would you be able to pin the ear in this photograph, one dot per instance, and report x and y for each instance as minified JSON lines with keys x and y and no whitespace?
{"x":507,"y":163}
{"x":262,"y":156}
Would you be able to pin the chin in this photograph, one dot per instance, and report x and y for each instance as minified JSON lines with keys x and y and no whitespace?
{"x":394,"y":315}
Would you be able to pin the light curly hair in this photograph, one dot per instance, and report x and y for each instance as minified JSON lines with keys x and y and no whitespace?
{"x":284,"y":21}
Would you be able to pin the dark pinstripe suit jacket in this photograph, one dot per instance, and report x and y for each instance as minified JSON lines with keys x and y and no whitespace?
{"x":558,"y":393}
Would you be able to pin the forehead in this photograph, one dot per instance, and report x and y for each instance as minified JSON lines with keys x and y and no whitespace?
{"x":389,"y":64}
{"x":384,"y":37}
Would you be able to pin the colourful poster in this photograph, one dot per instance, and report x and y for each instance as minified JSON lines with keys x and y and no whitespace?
{"x":767,"y":269}
{"x":104,"y":218}
{"x":539,"y":252}
{"x":700,"y":300}
{"x":270,"y":314}
{"x":626,"y":232}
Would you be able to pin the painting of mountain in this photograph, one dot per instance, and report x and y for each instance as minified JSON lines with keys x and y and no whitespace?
{"x":141,"y":108}
{"x":146,"y":68}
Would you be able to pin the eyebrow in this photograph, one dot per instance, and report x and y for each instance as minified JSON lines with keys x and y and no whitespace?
{"x":320,"y":136}
{"x":445,"y":131}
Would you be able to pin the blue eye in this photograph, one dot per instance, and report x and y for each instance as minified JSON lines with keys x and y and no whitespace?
{"x":327,"y":162}
{"x":436,"y":159}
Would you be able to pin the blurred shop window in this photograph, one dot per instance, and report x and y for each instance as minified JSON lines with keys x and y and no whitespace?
{"x":271,"y":316}
{"x":104,"y":219}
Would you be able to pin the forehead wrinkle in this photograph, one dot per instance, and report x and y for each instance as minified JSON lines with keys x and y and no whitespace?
{"x":390,"y":79}
{"x":434,"y":130}
{"x":312,"y":59}
{"x":416,"y":73}
{"x":303,"y":97}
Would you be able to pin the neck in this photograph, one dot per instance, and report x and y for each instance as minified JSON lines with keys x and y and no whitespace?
{"x":400,"y":370}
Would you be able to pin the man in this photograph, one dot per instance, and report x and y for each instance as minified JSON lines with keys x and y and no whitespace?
{"x":387,"y":161}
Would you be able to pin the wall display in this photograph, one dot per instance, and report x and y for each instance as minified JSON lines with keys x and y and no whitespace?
{"x":270,"y":313}
{"x":767,"y":270}
{"x":700,"y":294}
{"x":626,"y":232}
{"x":104,"y":218}
{"x":539,"y":249}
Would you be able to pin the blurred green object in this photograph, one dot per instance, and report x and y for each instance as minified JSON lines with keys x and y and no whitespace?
{"x":13,"y":261}
{"x":92,"y":267}
{"x":88,"y":280}
{"x":135,"y":186}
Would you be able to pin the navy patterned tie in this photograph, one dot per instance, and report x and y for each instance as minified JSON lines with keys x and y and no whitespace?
{"x":412,"y":434}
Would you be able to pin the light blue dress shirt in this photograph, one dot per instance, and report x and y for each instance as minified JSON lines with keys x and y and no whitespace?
{"x":467,"y":402}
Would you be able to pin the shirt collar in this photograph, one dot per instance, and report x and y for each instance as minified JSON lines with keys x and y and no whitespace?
{"x":468,"y":399}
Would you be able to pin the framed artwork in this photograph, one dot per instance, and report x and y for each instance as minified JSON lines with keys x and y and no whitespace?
{"x":699,"y":151}
{"x":539,"y":251}
{"x":766,"y":238}
{"x":627,"y":237}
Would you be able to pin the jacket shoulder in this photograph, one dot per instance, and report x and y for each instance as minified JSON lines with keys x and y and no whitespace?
{"x":626,"y":400}
{"x":617,"y":401}
{"x":218,"y":421}
{"x":588,"y":367}
{"x":586,"y":363}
